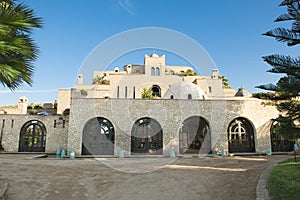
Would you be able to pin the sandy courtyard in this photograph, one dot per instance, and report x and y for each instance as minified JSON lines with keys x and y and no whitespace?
{"x":184,"y":178}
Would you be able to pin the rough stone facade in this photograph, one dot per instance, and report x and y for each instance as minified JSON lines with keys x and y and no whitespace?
{"x":56,"y":135}
{"x":123,"y":113}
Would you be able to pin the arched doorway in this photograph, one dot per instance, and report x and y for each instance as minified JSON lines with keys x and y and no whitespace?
{"x":278,"y":142}
{"x":146,"y":137}
{"x":33,"y":137}
{"x":156,"y":91}
{"x":240,"y":136}
{"x":194,"y":136}
{"x":98,"y":137}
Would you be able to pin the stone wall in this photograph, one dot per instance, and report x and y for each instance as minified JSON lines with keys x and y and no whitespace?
{"x":123,"y":113}
{"x":56,"y":137}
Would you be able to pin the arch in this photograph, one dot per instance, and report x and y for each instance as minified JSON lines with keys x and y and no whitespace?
{"x":171,"y":97}
{"x":98,"y":137}
{"x":156,"y":91}
{"x":195,"y":136}
{"x":241,"y":136}
{"x":152,"y":71}
{"x":33,"y":137}
{"x":157,"y":71}
{"x":146,"y":137}
{"x":278,"y":142}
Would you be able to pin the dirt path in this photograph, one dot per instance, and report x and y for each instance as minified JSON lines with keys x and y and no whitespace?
{"x":186,"y":178}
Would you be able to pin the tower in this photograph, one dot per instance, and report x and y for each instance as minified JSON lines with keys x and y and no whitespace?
{"x":22,"y":105}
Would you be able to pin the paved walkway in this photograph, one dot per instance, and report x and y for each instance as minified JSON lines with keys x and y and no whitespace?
{"x":185,"y":178}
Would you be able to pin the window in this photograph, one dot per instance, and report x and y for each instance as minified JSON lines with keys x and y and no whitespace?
{"x":32,"y":137}
{"x":12,"y":123}
{"x":171,"y":97}
{"x":133,"y":92}
{"x":125,"y":92}
{"x":240,"y":136}
{"x":194,"y":136}
{"x":98,"y":137}
{"x":189,"y":96}
{"x":209,"y":89}
{"x":157,"y":71}
{"x":146,"y":137}
{"x":156,"y":91}
{"x":118,"y":91}
{"x":152,"y":71}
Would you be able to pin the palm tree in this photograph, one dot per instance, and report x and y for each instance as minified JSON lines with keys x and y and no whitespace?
{"x":224,"y":81}
{"x":17,"y":48}
{"x":147,"y":93}
{"x":99,"y":80}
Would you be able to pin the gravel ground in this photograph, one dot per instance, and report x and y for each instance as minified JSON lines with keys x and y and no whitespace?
{"x":133,"y":178}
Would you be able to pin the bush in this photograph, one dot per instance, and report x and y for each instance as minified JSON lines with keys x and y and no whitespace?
{"x":38,"y":107}
{"x":33,"y":112}
{"x":83,"y":93}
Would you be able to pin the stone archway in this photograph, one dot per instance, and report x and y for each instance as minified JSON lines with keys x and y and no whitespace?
{"x":241,"y":136}
{"x":33,"y":137}
{"x":146,"y":137}
{"x":98,"y":137}
{"x":194,"y":136}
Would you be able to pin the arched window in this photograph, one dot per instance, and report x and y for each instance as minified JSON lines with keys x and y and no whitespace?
{"x":280,"y":141}
{"x":152,"y":71}
{"x":194,"y":136}
{"x":146,"y":136}
{"x":156,"y":91}
{"x":157,"y":72}
{"x":189,"y":96}
{"x":98,"y":137}
{"x":240,"y":136}
{"x":32,"y":137}
{"x":171,"y":97}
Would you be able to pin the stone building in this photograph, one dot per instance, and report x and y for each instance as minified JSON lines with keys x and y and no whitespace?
{"x":190,"y":114}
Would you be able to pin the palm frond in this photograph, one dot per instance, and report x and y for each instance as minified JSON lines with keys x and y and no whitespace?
{"x":17,"y":49}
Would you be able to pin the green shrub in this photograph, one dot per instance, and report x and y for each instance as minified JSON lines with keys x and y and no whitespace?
{"x":33,"y":112}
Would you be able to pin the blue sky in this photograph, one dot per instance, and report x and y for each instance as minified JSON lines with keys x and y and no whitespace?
{"x":230,"y":31}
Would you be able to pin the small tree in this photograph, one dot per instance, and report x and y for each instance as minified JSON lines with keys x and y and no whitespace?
{"x":100,"y":80}
{"x":224,"y":81}
{"x":147,"y":93}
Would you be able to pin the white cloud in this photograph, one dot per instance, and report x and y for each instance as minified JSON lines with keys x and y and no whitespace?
{"x":127,"y":5}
